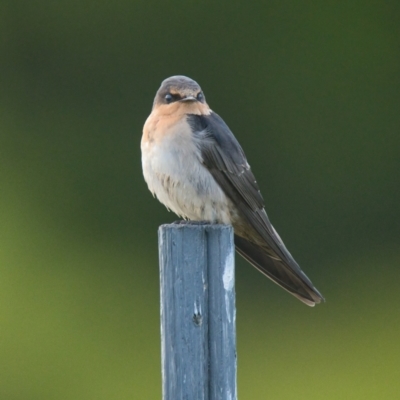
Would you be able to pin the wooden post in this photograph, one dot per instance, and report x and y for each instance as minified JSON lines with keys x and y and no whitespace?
{"x":198,"y":330}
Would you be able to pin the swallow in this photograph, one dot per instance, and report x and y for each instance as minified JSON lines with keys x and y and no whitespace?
{"x":194,"y":165}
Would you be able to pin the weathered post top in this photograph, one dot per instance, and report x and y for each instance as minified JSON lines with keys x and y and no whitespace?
{"x":198,"y":329}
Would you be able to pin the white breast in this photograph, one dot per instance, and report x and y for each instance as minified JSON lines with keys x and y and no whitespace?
{"x":173,"y":171}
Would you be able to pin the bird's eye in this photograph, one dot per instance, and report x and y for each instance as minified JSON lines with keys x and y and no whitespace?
{"x":200,"y":96}
{"x":168,"y":97}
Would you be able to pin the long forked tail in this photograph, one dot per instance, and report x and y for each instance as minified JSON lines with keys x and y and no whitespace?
{"x":290,"y":278}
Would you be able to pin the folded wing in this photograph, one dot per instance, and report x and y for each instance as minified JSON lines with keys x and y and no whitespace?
{"x":223,"y":156}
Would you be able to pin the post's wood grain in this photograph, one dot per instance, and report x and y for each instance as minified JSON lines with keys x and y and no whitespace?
{"x":198,"y":330}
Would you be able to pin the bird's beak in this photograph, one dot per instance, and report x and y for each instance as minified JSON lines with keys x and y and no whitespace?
{"x":189,"y":98}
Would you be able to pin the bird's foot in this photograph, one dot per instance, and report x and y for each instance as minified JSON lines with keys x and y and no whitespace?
{"x":188,"y":222}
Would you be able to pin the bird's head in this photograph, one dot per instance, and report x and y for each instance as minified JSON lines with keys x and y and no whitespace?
{"x":179,"y":89}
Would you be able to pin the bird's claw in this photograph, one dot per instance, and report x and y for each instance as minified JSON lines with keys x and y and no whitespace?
{"x":187,"y":222}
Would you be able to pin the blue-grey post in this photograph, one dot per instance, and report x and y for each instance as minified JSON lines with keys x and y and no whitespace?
{"x":198,"y":315}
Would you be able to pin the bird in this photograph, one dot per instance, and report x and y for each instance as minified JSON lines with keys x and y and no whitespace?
{"x":193,"y":164}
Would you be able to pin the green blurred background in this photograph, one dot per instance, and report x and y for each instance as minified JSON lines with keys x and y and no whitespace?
{"x":312,"y":92}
